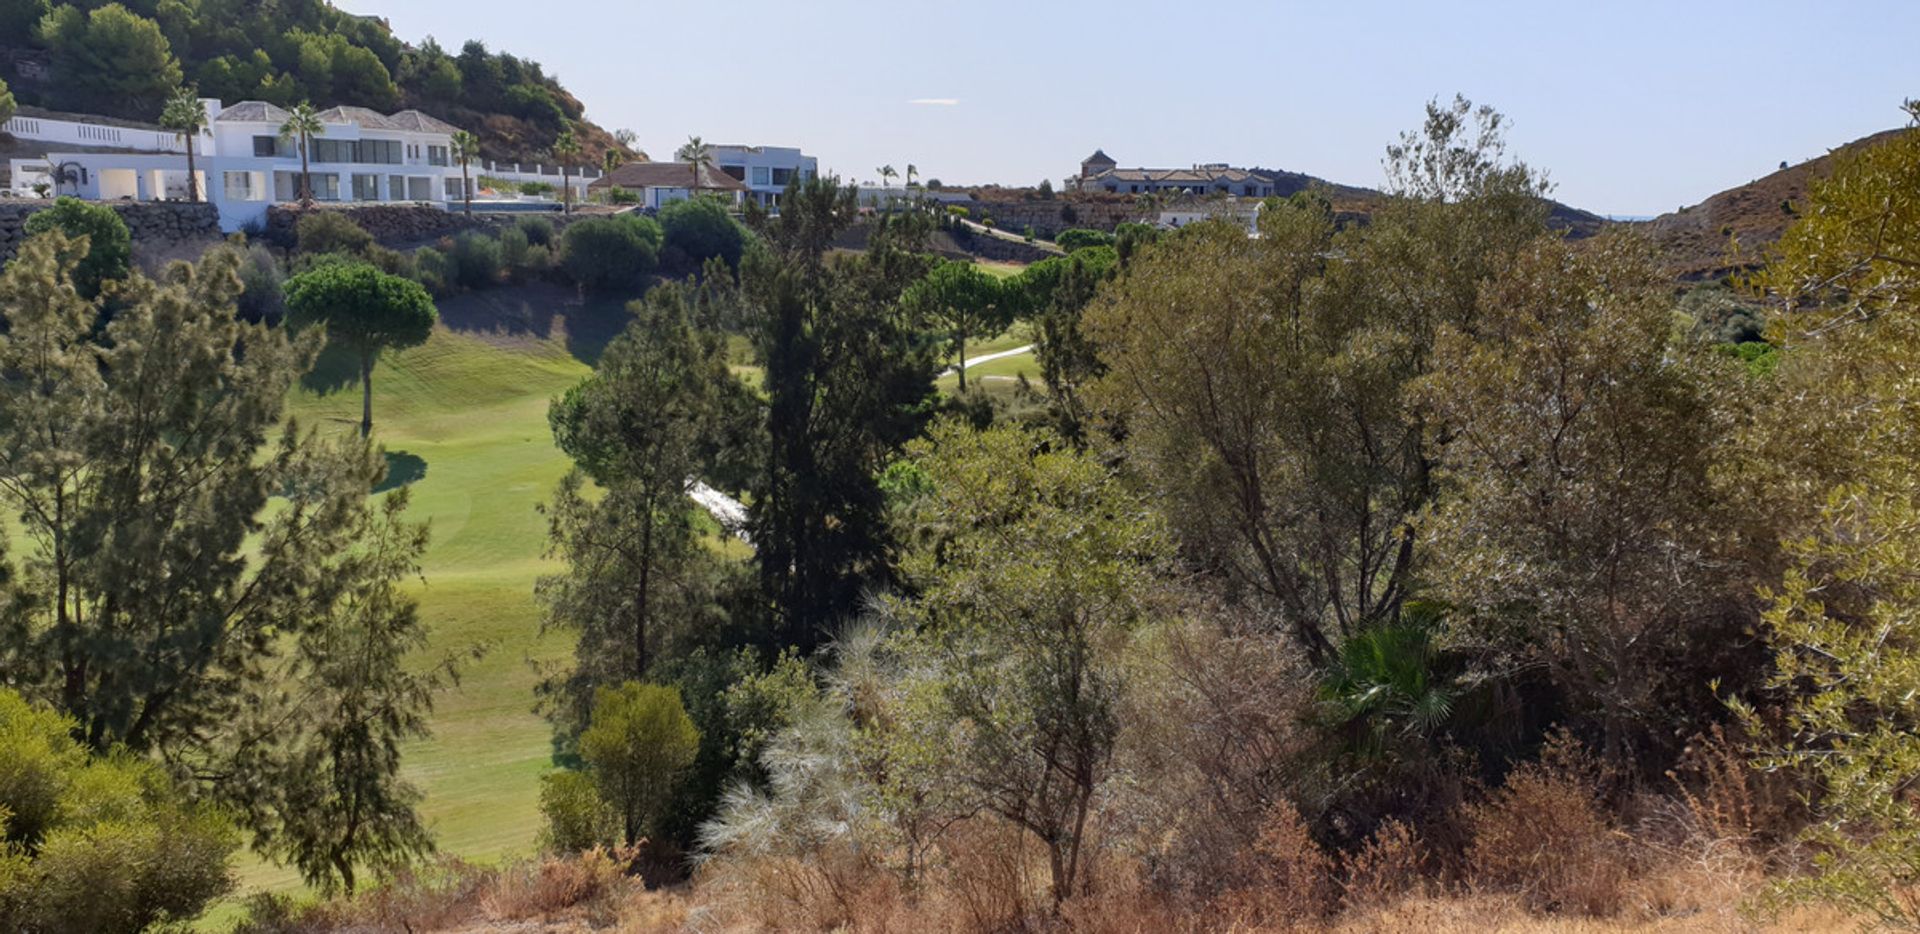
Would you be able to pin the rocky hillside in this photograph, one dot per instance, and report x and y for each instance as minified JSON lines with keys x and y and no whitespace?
{"x":123,"y":60}
{"x":1733,"y":229}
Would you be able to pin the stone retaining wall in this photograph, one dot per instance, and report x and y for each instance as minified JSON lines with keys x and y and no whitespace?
{"x":155,"y":226}
{"x":406,"y":225}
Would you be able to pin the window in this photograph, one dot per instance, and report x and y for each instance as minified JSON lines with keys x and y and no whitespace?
{"x":380,"y":151}
{"x":761,"y":175}
{"x":240,"y":186}
{"x":420,"y":189}
{"x":326,"y":187}
{"x":266,"y":147}
{"x":366,"y":188}
{"x":436,"y":155}
{"x":782,"y":176}
{"x":453,"y":189}
{"x":736,"y":172}
{"x":396,"y":188}
{"x":332,"y":150}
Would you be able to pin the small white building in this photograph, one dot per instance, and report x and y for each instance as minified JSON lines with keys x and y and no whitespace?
{"x":1245,"y":212}
{"x":764,"y":170}
{"x":1098,"y":172}
{"x":244,"y":165}
{"x":660,"y":183}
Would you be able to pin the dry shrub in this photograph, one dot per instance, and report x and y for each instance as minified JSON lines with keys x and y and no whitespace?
{"x":989,"y":877}
{"x":537,"y":889}
{"x":1292,"y":876}
{"x":1390,"y":865}
{"x":1545,"y":836}
{"x":1119,"y":900}
{"x":1215,"y":708}
{"x":831,"y":889}
{"x":435,"y":895}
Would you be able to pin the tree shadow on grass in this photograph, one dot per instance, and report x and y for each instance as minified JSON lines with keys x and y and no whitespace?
{"x":335,"y":369}
{"x":540,"y":311}
{"x":403,"y":468}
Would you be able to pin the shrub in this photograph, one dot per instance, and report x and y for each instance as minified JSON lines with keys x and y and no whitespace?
{"x":534,"y":188}
{"x":97,"y":843}
{"x":391,"y":262}
{"x":330,"y":232}
{"x":1080,"y":238}
{"x":109,"y":245}
{"x":261,"y":280}
{"x":646,"y":228}
{"x":513,"y":251}
{"x":476,"y":260}
{"x":1544,"y":837}
{"x":638,"y":745}
{"x":1390,"y":865}
{"x":539,"y":230}
{"x":703,"y":229}
{"x":619,"y":195}
{"x":955,"y":210}
{"x":1293,"y":875}
{"x":434,"y":270}
{"x":604,"y":254}
{"x":539,"y":261}
{"x":577,"y":818}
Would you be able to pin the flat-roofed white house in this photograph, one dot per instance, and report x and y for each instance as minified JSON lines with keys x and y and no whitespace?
{"x":244,"y":165}
{"x":764,"y":170}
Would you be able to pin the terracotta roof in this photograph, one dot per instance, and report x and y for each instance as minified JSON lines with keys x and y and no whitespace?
{"x":252,"y":112}
{"x":422,"y":123}
{"x":667,"y":175}
{"x":1180,"y":176}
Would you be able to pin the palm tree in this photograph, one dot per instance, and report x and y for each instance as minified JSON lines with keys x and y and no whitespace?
{"x":696,"y":152}
{"x":466,"y":148}
{"x":912,"y":170}
{"x":186,"y":118}
{"x":566,"y":147}
{"x":611,"y":159}
{"x":303,"y":124}
{"x":886,"y":180}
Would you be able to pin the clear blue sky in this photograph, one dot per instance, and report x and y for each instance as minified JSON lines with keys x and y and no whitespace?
{"x":1632,"y":107}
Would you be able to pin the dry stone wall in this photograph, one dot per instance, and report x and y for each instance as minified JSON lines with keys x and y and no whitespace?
{"x":155,"y":226}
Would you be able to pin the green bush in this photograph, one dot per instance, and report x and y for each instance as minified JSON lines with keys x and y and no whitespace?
{"x":577,"y":818}
{"x":97,"y":843}
{"x":434,"y":270}
{"x":261,"y":280}
{"x":109,"y":246}
{"x":330,"y":232}
{"x":534,"y":188}
{"x":605,"y":254}
{"x":1080,"y":238}
{"x":513,"y":252}
{"x":958,"y":211}
{"x":638,"y":747}
{"x":476,"y":261}
{"x":702,"y":228}
{"x":619,"y":195}
{"x":539,"y":230}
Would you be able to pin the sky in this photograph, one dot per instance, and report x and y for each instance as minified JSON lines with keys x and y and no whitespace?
{"x":1632,"y":108}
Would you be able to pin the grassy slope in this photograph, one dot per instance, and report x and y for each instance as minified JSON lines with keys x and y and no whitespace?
{"x":471,"y":404}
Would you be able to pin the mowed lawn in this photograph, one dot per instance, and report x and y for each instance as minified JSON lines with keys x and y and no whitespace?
{"x":466,"y":413}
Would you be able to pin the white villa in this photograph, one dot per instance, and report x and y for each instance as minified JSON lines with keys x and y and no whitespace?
{"x":1099,"y":172}
{"x":765,"y":170}
{"x":244,"y":165}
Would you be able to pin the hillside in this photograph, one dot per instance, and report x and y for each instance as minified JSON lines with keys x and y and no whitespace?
{"x":124,"y":59}
{"x":1699,"y":242}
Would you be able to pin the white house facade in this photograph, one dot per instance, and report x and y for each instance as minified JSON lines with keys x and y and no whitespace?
{"x":1098,"y":172}
{"x":658,"y":184}
{"x":244,"y":165}
{"x":764,"y":170}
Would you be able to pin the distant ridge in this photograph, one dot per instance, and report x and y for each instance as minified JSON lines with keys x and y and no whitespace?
{"x":1698,"y":242}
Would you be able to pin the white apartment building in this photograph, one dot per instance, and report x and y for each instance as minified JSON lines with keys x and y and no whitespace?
{"x":764,"y":170}
{"x":242,"y":163}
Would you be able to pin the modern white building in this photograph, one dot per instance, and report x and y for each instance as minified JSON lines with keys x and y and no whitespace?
{"x":764,"y":170}
{"x":242,"y":162}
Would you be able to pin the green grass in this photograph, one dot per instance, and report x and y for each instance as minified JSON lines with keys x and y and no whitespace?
{"x":1001,"y":270}
{"x":471,"y":405}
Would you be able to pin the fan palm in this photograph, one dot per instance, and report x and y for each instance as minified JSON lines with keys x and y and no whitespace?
{"x":187,"y":119}
{"x":566,"y":148}
{"x":302,"y":125}
{"x":696,"y":153}
{"x":466,"y":148}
